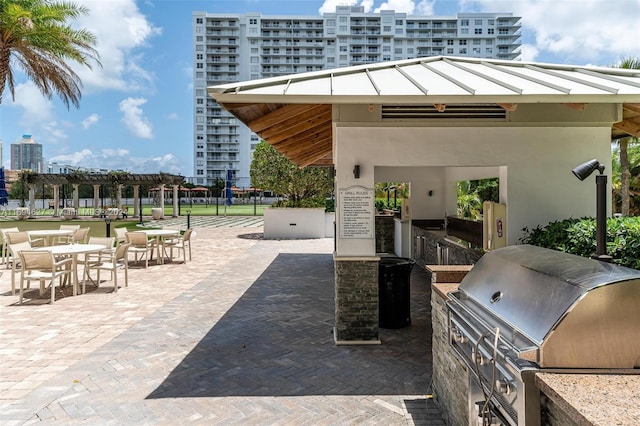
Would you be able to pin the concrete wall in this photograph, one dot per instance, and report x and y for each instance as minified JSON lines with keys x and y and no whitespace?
{"x":534,"y":163}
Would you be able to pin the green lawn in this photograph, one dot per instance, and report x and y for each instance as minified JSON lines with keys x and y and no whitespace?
{"x":196,"y":210}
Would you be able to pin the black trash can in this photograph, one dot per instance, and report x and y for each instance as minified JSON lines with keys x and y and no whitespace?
{"x":394,"y":287}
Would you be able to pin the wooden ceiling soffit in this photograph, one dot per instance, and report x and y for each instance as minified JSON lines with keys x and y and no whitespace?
{"x":294,"y":125}
{"x":310,"y":157}
{"x":630,"y":127}
{"x":286,"y":114}
{"x":296,"y":150}
{"x":309,"y":137}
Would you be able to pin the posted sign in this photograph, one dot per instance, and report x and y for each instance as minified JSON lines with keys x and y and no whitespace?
{"x":356,"y":212}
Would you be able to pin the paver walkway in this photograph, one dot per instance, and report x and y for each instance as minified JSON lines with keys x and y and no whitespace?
{"x":240,"y":335}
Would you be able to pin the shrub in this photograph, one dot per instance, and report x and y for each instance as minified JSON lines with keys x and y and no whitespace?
{"x":578,"y":236}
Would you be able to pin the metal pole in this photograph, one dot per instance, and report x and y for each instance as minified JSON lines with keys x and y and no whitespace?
{"x":140,"y":205}
{"x":188,"y":219}
{"x":601,"y":219}
{"x":108,"y":224}
{"x":255,"y":211}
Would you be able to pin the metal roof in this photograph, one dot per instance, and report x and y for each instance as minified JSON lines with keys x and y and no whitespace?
{"x":269,"y":106}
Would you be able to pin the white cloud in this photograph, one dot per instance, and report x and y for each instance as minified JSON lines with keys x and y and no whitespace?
{"x":574,"y":31}
{"x":120,"y":159}
{"x":172,"y":116}
{"x":90,"y":120}
{"x":35,"y":107}
{"x":133,"y":117}
{"x":121,"y":30}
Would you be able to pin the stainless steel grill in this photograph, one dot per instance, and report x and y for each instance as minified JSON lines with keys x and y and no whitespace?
{"x":522,"y":309}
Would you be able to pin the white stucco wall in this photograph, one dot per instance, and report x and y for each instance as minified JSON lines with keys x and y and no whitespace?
{"x":534,"y":163}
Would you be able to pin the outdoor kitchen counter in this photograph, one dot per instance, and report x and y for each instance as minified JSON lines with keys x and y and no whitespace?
{"x":569,"y":399}
{"x":590,"y":399}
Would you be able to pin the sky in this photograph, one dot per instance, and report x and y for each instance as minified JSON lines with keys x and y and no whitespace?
{"x":136,"y":111}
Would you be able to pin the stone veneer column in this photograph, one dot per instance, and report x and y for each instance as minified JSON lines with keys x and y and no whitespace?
{"x":356,"y":299}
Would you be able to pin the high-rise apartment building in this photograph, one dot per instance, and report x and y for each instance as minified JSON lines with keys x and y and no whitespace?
{"x":230,"y":48}
{"x":27,"y":154}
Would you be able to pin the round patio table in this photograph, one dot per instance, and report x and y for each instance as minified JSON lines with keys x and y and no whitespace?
{"x":73,"y":250}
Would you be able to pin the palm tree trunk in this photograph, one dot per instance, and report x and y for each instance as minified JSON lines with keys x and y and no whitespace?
{"x":625,"y":176}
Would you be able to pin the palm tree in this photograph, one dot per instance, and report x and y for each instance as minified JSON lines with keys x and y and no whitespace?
{"x":35,"y":37}
{"x":623,"y":144}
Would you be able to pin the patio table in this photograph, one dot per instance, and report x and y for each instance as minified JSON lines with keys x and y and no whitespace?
{"x":160,"y":235}
{"x":47,"y":234}
{"x":73,"y":250}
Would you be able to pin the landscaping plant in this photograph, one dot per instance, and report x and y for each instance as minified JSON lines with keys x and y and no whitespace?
{"x":578,"y":236}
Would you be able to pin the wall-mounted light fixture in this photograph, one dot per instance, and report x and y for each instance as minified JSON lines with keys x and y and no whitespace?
{"x":582,"y":172}
{"x":356,"y":171}
{"x":430,"y":193}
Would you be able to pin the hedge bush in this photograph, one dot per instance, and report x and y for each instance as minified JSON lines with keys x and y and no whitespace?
{"x":578,"y":236}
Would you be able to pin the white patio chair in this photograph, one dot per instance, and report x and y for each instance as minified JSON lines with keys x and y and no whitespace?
{"x":181,"y":243}
{"x":5,"y":244}
{"x":111,"y":261}
{"x":121,"y":235}
{"x":81,"y":235}
{"x":14,"y":260}
{"x":40,"y":265}
{"x":66,"y":239}
{"x":141,"y":245}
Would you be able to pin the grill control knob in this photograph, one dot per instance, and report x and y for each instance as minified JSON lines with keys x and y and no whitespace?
{"x":458,"y":337}
{"x":478,"y":359}
{"x":504,"y":386}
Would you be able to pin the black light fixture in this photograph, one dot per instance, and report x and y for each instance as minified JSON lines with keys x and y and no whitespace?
{"x":582,"y":172}
{"x":188,"y":218}
{"x":356,"y":171}
{"x":107,"y":222}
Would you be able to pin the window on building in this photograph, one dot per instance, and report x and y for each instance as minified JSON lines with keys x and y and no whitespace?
{"x":464,"y":22}
{"x":477,"y":41}
{"x":199,"y":74}
{"x":399,"y":22}
{"x":386,"y":28}
{"x":491,"y":22}
{"x":464,"y":31}
{"x":253,"y":21}
{"x":199,"y":48}
{"x":463,"y":51}
{"x":449,"y":42}
{"x":199,"y":65}
{"x":199,"y":39}
{"x":399,"y":31}
{"x":476,"y":51}
{"x":478,"y":22}
{"x":199,"y":172}
{"x":477,"y":31}
{"x":397,"y":51}
{"x":449,"y":50}
{"x":200,"y":101}
{"x":489,"y":50}
{"x":199,"y":154}
{"x":462,"y":42}
{"x":331,"y":22}
{"x":199,"y":92}
{"x":198,"y":20}
{"x":343,"y":28}
{"x":198,"y":30}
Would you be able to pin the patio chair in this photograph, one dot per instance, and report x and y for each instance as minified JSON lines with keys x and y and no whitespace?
{"x":5,"y":244}
{"x":41,"y":265}
{"x":121,"y":235}
{"x":81,"y":235}
{"x":67,"y":239}
{"x":141,"y":245}
{"x":118,"y":258}
{"x":182,"y":243}
{"x":14,"y":260}
{"x":95,"y":257}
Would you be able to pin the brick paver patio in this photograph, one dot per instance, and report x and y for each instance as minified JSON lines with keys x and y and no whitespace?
{"x":240,"y":335}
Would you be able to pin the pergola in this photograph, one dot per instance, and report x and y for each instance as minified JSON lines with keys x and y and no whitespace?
{"x":117,"y":179}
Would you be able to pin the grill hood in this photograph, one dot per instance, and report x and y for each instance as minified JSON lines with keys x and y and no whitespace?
{"x":560,"y":310}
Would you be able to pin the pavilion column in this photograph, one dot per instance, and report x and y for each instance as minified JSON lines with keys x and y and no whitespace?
{"x":136,"y":202}
{"x":56,"y":200}
{"x":76,"y":197}
{"x":176,"y":200}
{"x":119,"y":197}
{"x":96,"y":200}
{"x":162,"y":199}
{"x":32,"y":200}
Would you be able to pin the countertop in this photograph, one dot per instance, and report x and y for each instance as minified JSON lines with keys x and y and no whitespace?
{"x":442,"y":289}
{"x":595,"y":399}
